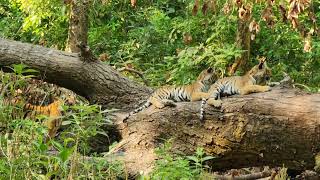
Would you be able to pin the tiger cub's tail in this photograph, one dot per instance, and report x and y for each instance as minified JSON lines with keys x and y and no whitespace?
{"x":203,"y":102}
{"x":147,"y":104}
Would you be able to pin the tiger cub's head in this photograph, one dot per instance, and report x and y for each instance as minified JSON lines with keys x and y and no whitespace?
{"x":261,"y":72}
{"x":207,"y":76}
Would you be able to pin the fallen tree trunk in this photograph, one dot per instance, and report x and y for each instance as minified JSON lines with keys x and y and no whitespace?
{"x":94,"y":80}
{"x":273,"y":128}
{"x":277,"y":128}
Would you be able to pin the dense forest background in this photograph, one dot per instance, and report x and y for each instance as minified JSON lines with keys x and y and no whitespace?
{"x":166,"y":42}
{"x":172,"y":41}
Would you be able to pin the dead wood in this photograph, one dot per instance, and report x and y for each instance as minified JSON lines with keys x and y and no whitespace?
{"x":276,"y":128}
{"x":94,"y":80}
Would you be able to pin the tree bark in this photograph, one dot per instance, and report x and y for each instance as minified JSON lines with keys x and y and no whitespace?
{"x":277,"y":128}
{"x":78,"y":27}
{"x":94,"y":80}
{"x":272,"y":128}
{"x":244,"y":43}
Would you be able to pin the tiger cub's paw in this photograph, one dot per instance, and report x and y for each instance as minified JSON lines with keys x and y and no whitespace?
{"x":169,"y":103}
{"x":267,"y":88}
{"x":215,"y":103}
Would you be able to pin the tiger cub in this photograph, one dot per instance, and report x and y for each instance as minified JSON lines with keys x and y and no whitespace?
{"x":20,"y":107}
{"x":167,"y":95}
{"x":53,"y":111}
{"x":253,"y":81}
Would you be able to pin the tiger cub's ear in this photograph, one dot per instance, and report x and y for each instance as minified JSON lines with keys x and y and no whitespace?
{"x":210,"y":70}
{"x":261,"y":62}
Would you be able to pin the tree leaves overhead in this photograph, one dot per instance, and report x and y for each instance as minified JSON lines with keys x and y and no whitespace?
{"x":171,"y":41}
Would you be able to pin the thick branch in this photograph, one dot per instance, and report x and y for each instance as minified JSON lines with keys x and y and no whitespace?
{"x":96,"y":81}
{"x":281,"y":127}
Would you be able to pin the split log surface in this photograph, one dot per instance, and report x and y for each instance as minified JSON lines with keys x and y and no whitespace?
{"x":276,"y":128}
{"x":96,"y":81}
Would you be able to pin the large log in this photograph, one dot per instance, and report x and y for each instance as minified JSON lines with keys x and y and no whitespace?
{"x":273,"y":128}
{"x":276,"y":128}
{"x":96,"y":81}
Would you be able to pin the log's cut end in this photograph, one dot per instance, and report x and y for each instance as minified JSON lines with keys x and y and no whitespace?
{"x":276,"y":128}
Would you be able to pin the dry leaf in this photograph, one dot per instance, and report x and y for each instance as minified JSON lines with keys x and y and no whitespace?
{"x":205,"y":8}
{"x":283,"y":12}
{"x":253,"y":36}
{"x":133,"y":3}
{"x":254,"y":28}
{"x":307,"y":45}
{"x":226,"y":8}
{"x":238,"y":3}
{"x":104,"y":57}
{"x":245,"y":12}
{"x":129,"y":65}
{"x":195,"y":7}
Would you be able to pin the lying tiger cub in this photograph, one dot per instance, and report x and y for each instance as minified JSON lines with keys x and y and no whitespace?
{"x":242,"y":85}
{"x":167,"y":95}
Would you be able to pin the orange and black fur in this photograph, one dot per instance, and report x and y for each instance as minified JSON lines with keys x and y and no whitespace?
{"x":53,"y":111}
{"x":253,"y":81}
{"x":167,"y":95}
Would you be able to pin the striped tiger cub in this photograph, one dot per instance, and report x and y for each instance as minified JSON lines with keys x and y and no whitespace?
{"x":167,"y":95}
{"x":20,"y":107}
{"x":253,"y":81}
{"x":53,"y":111}
{"x":23,"y":110}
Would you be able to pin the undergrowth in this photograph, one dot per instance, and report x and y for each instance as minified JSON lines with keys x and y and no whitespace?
{"x":173,"y":166}
{"x":25,"y":154}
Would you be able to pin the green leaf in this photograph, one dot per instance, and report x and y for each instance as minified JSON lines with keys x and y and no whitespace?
{"x":208,"y":158}
{"x":65,"y":154}
{"x":64,"y":123}
{"x":193,"y":158}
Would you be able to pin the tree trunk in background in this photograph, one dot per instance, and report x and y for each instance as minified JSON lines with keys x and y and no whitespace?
{"x":243,"y":42}
{"x":94,"y":80}
{"x":78,"y":24}
{"x":272,"y":128}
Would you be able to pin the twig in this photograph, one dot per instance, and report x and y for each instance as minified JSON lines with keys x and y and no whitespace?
{"x":136,"y":72}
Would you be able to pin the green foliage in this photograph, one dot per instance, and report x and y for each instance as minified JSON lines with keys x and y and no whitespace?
{"x":81,"y":122}
{"x":178,"y":167}
{"x":37,"y":21}
{"x":26,"y":154}
{"x":165,"y":41}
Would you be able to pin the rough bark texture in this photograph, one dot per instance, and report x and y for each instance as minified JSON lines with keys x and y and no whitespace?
{"x":78,"y":27}
{"x":281,"y":127}
{"x":243,"y":42}
{"x":96,"y":81}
